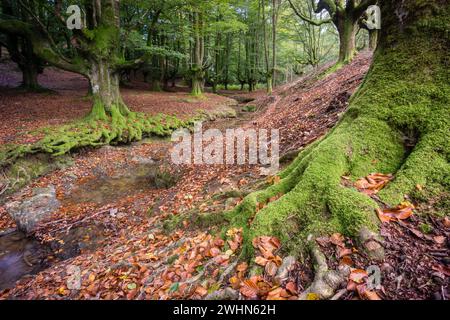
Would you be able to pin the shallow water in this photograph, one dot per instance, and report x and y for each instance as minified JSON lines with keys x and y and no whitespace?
{"x":19,"y":256}
{"x":105,"y":189}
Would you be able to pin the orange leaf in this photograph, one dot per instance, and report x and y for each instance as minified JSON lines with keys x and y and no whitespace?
{"x":401,"y":212}
{"x":291,"y":287}
{"x":277,"y":294}
{"x":373,"y":183}
{"x":242,"y":267}
{"x":358,"y":275}
{"x":337,"y":239}
{"x":261,"y":261}
{"x":249,"y":289}
{"x":201,"y":291}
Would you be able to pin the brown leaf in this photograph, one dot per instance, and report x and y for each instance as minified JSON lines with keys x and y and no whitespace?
{"x":401,"y":212}
{"x":249,"y":289}
{"x":235,"y":282}
{"x":447,"y":222}
{"x":278,"y":294}
{"x":267,"y":245}
{"x":323,"y":241}
{"x":439,"y":239}
{"x":242,"y":267}
{"x":347,"y":260}
{"x":271,"y":268}
{"x":358,"y":275}
{"x":442,"y":269}
{"x":373,"y":183}
{"x":261,"y":261}
{"x":344,"y":252}
{"x":201,"y":291}
{"x":371,"y":295}
{"x":292,"y":288}
{"x":337,"y":239}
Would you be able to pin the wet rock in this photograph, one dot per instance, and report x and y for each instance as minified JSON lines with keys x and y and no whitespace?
{"x":29,"y":213}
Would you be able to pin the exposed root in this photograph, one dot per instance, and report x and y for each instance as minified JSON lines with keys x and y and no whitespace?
{"x":326,"y":281}
{"x":94,"y":131}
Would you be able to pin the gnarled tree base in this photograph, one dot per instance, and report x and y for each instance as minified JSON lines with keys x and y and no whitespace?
{"x":99,"y":128}
{"x":397,"y":123}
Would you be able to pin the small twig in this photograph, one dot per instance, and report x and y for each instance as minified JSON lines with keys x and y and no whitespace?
{"x":70,"y":226}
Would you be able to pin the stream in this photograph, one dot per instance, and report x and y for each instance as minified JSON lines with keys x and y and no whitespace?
{"x":21,"y":256}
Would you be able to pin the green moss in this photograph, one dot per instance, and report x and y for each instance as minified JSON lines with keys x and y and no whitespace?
{"x":249,"y":108}
{"x":398,"y":122}
{"x":425,"y":228}
{"x":96,"y":130}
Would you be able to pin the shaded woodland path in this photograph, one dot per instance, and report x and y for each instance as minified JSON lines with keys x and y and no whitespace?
{"x":160,"y":240}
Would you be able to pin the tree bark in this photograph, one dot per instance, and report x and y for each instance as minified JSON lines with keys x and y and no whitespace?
{"x":105,"y":86}
{"x":347,"y":28}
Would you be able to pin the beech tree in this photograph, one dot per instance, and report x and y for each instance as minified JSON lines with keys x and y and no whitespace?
{"x":345,"y":15}
{"x":397,"y":123}
{"x":21,"y":49}
{"x":97,"y":55}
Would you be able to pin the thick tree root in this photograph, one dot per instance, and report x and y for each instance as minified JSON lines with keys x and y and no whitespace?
{"x":326,"y":281}
{"x":397,"y":123}
{"x":94,"y":131}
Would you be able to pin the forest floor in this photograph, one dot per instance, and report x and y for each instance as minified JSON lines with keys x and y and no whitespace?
{"x":132,"y":222}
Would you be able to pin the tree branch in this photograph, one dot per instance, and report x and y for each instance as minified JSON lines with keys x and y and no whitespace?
{"x":40,"y":44}
{"x":362,"y":7}
{"x":305,"y":18}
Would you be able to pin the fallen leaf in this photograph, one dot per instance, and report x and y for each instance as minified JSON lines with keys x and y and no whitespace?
{"x":347,"y":260}
{"x":201,"y":291}
{"x":292,"y":288}
{"x":261,"y":261}
{"x":249,"y":289}
{"x":278,"y":294}
{"x":235,"y":282}
{"x":242,"y":267}
{"x":312,"y":296}
{"x":271,"y":268}
{"x":401,"y":212}
{"x":373,"y":183}
{"x":358,"y":275}
{"x":267,"y":245}
{"x":342,"y":252}
{"x":447,"y":222}
{"x":337,"y":239}
{"x":439,"y":239}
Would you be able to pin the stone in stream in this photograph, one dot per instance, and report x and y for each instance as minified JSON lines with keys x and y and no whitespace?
{"x":29,"y":213}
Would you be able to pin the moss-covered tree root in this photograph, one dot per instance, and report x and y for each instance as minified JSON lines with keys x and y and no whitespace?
{"x":96,"y":130}
{"x":398,"y":122}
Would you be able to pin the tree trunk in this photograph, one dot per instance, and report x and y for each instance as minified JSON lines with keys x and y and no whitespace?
{"x":197,"y":82}
{"x":106,"y":91}
{"x":397,"y":123}
{"x":30,"y":74}
{"x":347,"y":29}
{"x":373,"y":39}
